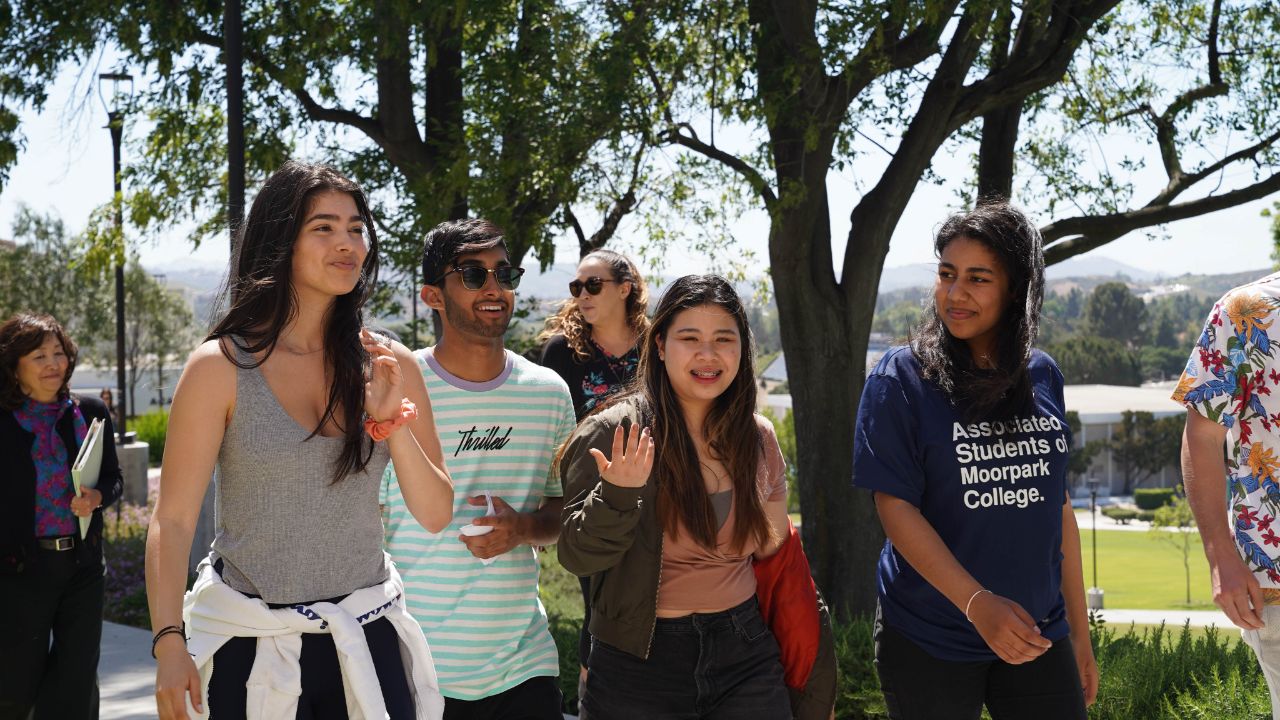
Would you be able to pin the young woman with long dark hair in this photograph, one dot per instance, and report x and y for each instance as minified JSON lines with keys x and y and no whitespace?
{"x":299,"y":408}
{"x":670,"y":493}
{"x":962,"y":437}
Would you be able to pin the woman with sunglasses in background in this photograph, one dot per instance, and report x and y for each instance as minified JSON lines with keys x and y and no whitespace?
{"x":300,"y":409}
{"x":962,"y":438}
{"x":592,"y":343}
{"x":670,"y":493}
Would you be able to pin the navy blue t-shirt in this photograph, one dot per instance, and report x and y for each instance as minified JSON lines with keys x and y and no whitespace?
{"x":993,"y":491}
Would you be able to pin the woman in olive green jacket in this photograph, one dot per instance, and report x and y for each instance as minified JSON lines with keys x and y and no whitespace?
{"x":670,"y":493}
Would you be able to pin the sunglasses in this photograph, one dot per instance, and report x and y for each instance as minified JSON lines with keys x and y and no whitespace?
{"x":593,"y":285}
{"x":474,"y":277}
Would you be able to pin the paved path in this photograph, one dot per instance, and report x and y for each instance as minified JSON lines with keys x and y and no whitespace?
{"x":127,"y":674}
{"x":1172,"y":618}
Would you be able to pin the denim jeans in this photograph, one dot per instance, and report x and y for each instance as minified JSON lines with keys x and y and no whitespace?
{"x":708,"y":666}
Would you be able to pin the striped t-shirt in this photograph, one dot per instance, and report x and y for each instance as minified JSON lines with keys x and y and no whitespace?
{"x":485,"y":623}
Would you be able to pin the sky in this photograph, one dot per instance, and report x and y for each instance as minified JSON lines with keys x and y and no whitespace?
{"x":65,"y":169}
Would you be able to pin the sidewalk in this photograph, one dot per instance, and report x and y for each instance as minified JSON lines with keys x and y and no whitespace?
{"x":1173,"y":619}
{"x":127,"y":674}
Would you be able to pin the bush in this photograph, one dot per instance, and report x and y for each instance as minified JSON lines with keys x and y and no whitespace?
{"x":1152,"y":498}
{"x":124,"y":549}
{"x":151,"y":430}
{"x":1119,"y":514}
{"x":1147,"y":515}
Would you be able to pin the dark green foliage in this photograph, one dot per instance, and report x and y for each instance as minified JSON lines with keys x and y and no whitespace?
{"x":1114,"y":313}
{"x":151,"y":429}
{"x":1143,"y":445}
{"x":1149,"y":675}
{"x":1152,"y":498}
{"x":1092,"y":360}
{"x":1119,"y":514}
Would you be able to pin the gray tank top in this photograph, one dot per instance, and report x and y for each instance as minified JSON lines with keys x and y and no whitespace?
{"x":283,"y":529}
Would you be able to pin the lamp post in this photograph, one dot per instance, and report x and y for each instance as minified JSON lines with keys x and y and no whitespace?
{"x":1095,"y":593}
{"x":114,"y":89}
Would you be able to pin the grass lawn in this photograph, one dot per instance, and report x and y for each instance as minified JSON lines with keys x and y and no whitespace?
{"x":1138,"y":571}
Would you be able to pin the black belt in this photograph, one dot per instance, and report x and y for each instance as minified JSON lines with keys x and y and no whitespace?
{"x":67,"y":542}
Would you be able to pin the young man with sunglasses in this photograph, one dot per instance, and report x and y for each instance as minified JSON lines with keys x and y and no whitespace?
{"x":474,"y":586}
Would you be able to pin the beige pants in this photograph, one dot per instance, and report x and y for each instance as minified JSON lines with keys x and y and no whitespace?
{"x":1266,"y":646}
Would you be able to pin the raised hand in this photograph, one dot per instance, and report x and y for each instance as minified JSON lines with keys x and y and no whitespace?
{"x":627,"y":469}
{"x":1007,"y":629}
{"x":384,"y":389}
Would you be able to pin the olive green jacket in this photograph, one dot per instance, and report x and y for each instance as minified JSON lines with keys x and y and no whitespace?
{"x":611,"y":534}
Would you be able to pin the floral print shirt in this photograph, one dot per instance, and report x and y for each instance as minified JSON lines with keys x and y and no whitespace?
{"x":605,"y":375}
{"x":1230,"y":379}
{"x":53,"y":474}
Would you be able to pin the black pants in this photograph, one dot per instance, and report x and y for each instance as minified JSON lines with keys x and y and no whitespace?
{"x":54,"y":596}
{"x":918,"y":686}
{"x":537,"y":698}
{"x":712,"y":666}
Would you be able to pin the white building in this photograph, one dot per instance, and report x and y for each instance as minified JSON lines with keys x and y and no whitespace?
{"x":1101,"y":409}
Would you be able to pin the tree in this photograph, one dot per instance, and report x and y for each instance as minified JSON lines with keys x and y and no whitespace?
{"x":515,"y":110}
{"x":1142,"y":445}
{"x":45,"y":273}
{"x":1041,"y":88}
{"x":1091,"y":360}
{"x":830,"y":83}
{"x":159,"y":326}
{"x":1175,"y":524}
{"x":1114,"y":313}
{"x":1081,"y":458}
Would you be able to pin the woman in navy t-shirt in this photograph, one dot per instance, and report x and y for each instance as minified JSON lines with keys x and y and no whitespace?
{"x":963,"y":438}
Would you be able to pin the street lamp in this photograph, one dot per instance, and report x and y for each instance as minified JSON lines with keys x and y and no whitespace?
{"x":1094,"y":601}
{"x":115,"y":89}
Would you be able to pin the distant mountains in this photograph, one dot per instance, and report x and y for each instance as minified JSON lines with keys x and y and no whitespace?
{"x":203,"y":281}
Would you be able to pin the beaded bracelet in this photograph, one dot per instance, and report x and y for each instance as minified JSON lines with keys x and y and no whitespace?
{"x":381,"y":430}
{"x":168,"y":630}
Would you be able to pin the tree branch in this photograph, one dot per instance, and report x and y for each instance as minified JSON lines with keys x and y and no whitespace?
{"x":313,"y":108}
{"x":733,"y":162}
{"x":583,"y":246}
{"x":1083,"y":234}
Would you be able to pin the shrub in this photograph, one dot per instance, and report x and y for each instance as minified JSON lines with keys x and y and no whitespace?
{"x":1147,"y":515}
{"x":124,"y":550}
{"x":151,"y":430}
{"x":1152,"y":498}
{"x":1120,"y":515}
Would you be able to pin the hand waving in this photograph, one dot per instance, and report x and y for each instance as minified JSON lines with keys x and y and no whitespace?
{"x":627,"y":470}
{"x":383,"y":391}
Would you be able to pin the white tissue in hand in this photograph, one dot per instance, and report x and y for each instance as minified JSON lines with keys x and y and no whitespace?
{"x":474,"y":530}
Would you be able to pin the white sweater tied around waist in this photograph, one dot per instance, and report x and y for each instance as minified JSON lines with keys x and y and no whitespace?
{"x":214,"y":613}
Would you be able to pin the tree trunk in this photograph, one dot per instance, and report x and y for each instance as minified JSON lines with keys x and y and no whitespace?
{"x":996,"y":151}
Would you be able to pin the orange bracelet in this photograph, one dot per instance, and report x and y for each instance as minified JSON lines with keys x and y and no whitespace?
{"x":381,"y":430}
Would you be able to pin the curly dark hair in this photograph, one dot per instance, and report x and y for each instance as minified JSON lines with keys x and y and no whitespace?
{"x":20,"y":335}
{"x":1005,"y":390}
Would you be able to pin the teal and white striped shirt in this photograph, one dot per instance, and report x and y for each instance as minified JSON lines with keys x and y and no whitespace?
{"x":485,"y":623}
